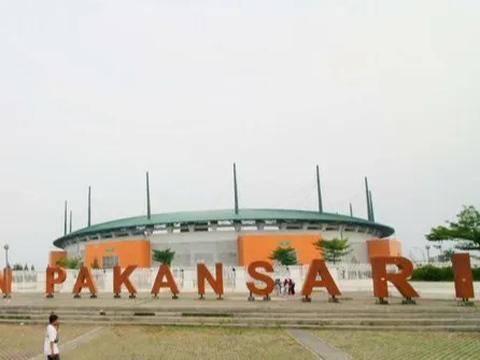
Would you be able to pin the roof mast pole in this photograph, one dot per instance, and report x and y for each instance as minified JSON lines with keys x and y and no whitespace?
{"x":351,"y":210}
{"x":89,"y":219}
{"x":70,"y":229}
{"x":235,"y":188}
{"x":369,"y":215}
{"x":319,"y":192}
{"x":372,"y":214}
{"x":149,"y":214}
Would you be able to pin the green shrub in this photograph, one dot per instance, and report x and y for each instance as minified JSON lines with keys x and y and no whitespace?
{"x":434,"y":273}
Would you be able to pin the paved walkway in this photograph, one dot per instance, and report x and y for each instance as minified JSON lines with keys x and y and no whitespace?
{"x":317,"y":346}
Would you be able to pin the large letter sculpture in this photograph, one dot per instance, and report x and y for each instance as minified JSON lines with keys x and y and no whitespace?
{"x":164,"y":272}
{"x":255,"y":275}
{"x":120,"y":279}
{"x":318,"y":267}
{"x":84,"y":280}
{"x":52,"y":280}
{"x":463,"y":278}
{"x":6,"y":282}
{"x":398,"y":279}
{"x":216,"y":284}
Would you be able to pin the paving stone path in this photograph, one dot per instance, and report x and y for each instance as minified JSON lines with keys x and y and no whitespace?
{"x":73,"y":344}
{"x":317,"y":346}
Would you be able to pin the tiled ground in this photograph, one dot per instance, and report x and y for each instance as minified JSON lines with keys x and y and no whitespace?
{"x":19,"y":342}
{"x":400,"y":345}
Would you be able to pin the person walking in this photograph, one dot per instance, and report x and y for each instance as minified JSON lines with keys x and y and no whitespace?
{"x":290,"y":286}
{"x":278,"y":287}
{"x":292,"y":290}
{"x":51,"y":338}
{"x":285,"y":287}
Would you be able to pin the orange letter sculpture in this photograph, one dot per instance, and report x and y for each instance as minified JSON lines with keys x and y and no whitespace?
{"x":255,"y":275}
{"x":463,"y":278}
{"x":164,"y":272}
{"x":318,"y":267}
{"x":84,"y":279}
{"x":398,"y":279}
{"x":6,"y":283}
{"x":52,"y":280}
{"x":120,"y":278}
{"x":203,"y":274}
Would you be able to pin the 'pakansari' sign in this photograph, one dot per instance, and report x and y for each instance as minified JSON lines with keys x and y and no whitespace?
{"x":318,"y":276}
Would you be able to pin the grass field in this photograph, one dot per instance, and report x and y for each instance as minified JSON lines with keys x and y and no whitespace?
{"x":145,"y":343}
{"x":20,"y":342}
{"x":401,"y":345}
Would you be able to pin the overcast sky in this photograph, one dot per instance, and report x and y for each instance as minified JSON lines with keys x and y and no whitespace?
{"x":97,"y":92}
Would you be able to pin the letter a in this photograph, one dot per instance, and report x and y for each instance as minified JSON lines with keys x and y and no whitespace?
{"x":463,"y":278}
{"x":255,"y":275}
{"x":398,"y":279}
{"x":203,"y":274}
{"x":318,"y":267}
{"x":164,"y":272}
{"x":52,"y":280}
{"x":120,"y":278}
{"x":84,"y":280}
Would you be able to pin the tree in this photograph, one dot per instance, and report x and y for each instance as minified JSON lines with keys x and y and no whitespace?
{"x":333,"y":250}
{"x":70,"y":263}
{"x":284,"y":256}
{"x":446,"y":255}
{"x":25,"y":267}
{"x":32,"y":268}
{"x":95,"y":264}
{"x":465,"y":231}
{"x":17,"y":267}
{"x":164,"y":257}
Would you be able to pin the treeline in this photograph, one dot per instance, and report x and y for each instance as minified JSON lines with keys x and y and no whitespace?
{"x":19,"y":267}
{"x":435,"y":273}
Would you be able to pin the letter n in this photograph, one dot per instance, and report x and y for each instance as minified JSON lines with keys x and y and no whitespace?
{"x":462,"y":272}
{"x":398,"y":279}
{"x":254,"y":274}
{"x":120,"y":279}
{"x":318,"y":267}
{"x":52,"y":280}
{"x":216,"y":284}
{"x":84,"y":280}
{"x":164,"y":272}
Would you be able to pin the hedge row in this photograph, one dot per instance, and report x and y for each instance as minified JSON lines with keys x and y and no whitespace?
{"x":433,"y":273}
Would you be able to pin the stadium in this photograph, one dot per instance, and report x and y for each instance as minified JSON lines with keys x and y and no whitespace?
{"x":234,"y":237}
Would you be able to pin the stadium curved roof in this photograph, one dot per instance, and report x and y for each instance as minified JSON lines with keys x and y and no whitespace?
{"x":192,"y":217}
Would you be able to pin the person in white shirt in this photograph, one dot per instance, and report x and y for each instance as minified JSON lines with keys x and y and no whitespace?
{"x":51,"y":339}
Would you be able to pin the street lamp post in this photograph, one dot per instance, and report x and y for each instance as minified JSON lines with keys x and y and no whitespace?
{"x":428,"y":252}
{"x":7,"y":271}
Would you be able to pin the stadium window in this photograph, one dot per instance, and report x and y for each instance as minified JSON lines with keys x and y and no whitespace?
{"x":109,"y":261}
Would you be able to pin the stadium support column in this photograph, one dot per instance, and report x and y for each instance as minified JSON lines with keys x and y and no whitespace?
{"x":319,"y":192}
{"x":235,"y":188}
{"x":372,"y":214}
{"x":65,"y":220}
{"x":89,"y":219}
{"x":149,"y":213}
{"x":367,"y":192}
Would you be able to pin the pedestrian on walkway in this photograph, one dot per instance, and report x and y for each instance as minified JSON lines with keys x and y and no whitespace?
{"x":278,"y":287}
{"x":51,"y":338}
{"x":285,"y":287}
{"x":290,"y":286}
